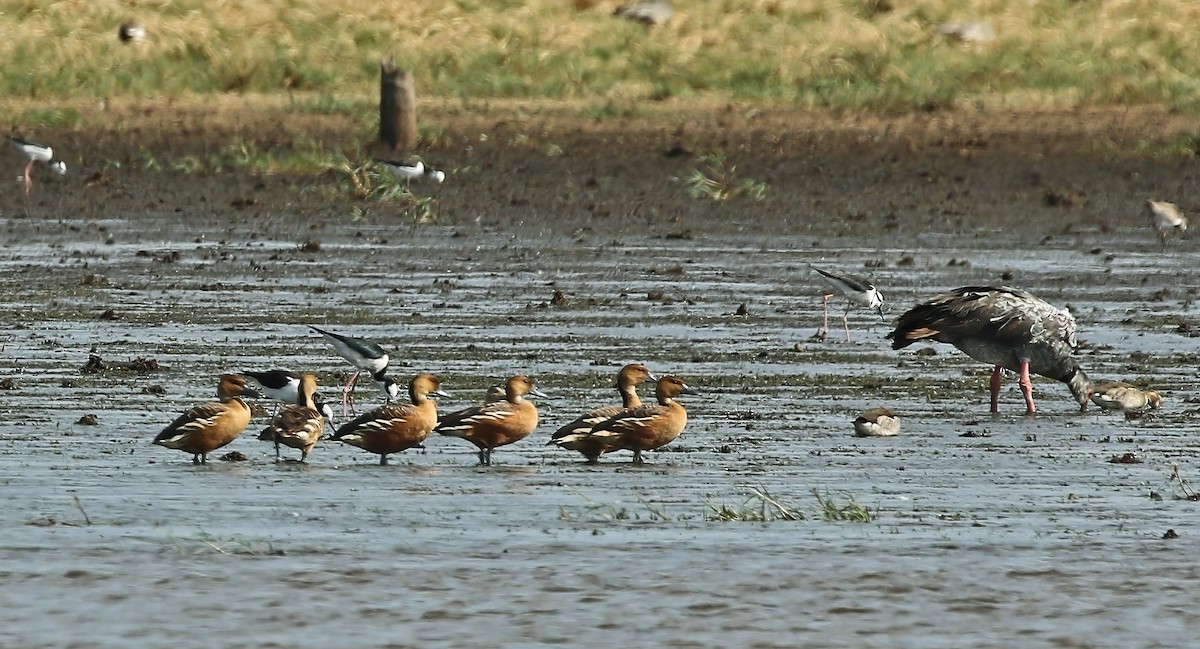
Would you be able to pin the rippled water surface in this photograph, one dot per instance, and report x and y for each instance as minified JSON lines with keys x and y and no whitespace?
{"x":1022,"y":534}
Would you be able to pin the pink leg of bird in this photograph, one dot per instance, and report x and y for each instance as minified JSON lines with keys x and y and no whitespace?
{"x":1027,"y":388}
{"x":28,"y":177}
{"x":347,"y":393}
{"x":846,"y":324}
{"x":996,"y":390}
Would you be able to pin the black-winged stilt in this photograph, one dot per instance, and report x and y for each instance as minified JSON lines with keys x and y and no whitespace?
{"x":417,"y":171}
{"x":856,"y":289}
{"x":1165,"y":217}
{"x":37,"y":153}
{"x":364,"y":355}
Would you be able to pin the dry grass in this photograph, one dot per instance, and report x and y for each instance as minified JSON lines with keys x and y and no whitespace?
{"x":857,"y":54}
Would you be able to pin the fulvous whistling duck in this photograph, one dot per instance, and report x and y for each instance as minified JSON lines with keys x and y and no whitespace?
{"x":574,"y":436}
{"x":210,"y":426}
{"x":393,"y":428}
{"x":648,"y":427}
{"x":877,"y":422}
{"x":498,"y":423}
{"x":1005,"y":327}
{"x":298,"y":425}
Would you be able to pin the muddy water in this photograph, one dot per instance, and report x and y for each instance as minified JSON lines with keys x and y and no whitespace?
{"x":1023,"y":534}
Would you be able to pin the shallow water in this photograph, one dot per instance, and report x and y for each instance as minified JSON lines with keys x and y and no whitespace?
{"x":1023,"y":535}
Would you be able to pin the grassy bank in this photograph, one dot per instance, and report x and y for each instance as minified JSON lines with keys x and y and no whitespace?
{"x":878,"y":55}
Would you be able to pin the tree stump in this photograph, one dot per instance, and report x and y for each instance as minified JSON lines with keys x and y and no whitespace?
{"x":397,"y":109}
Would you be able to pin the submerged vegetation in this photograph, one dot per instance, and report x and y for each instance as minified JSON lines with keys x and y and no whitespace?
{"x":759,"y":506}
{"x":852,"y":54}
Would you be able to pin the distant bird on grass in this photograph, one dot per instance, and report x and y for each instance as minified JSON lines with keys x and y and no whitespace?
{"x":417,"y":171}
{"x":649,"y":12}
{"x":131,"y":31}
{"x":877,"y":422}
{"x":856,"y":289}
{"x":1005,"y":327}
{"x":37,"y":153}
{"x":1165,"y":217}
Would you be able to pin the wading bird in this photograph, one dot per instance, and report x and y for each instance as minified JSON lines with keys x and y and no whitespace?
{"x":1005,"y":327}
{"x":1165,"y":217}
{"x":210,"y":426}
{"x":877,"y":422}
{"x":497,"y":423}
{"x":298,"y":425}
{"x":648,"y":427}
{"x":37,"y":153}
{"x":364,"y":355}
{"x":856,"y":289}
{"x":393,"y":428}
{"x":576,"y":436}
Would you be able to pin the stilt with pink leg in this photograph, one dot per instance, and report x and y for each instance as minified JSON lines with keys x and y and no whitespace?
{"x":37,"y":153}
{"x":857,"y":290}
{"x":364,"y":355}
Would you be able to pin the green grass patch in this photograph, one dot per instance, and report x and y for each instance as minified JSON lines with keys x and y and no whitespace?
{"x":854,"y":54}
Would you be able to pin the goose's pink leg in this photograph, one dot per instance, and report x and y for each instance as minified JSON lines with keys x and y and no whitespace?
{"x":825,"y":316}
{"x":1027,"y":388}
{"x":996,"y":390}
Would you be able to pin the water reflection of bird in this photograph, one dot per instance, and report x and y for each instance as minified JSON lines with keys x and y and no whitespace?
{"x":393,"y":428}
{"x":648,"y":427}
{"x":575,"y":435}
{"x":856,"y":289}
{"x":1005,"y":327}
{"x":1165,"y":217}
{"x":298,"y":425}
{"x":210,"y":426}
{"x":877,"y":422}
{"x":1118,"y":395}
{"x":37,"y":153}
{"x":498,"y":423}
{"x":364,"y":355}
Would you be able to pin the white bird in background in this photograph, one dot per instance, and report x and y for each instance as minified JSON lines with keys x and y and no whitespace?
{"x":37,"y":153}
{"x":1165,"y":217}
{"x":856,"y":289}
{"x":418,"y":171}
{"x":648,"y":12}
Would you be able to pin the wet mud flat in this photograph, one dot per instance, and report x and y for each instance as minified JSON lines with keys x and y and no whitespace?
{"x":985,"y":531}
